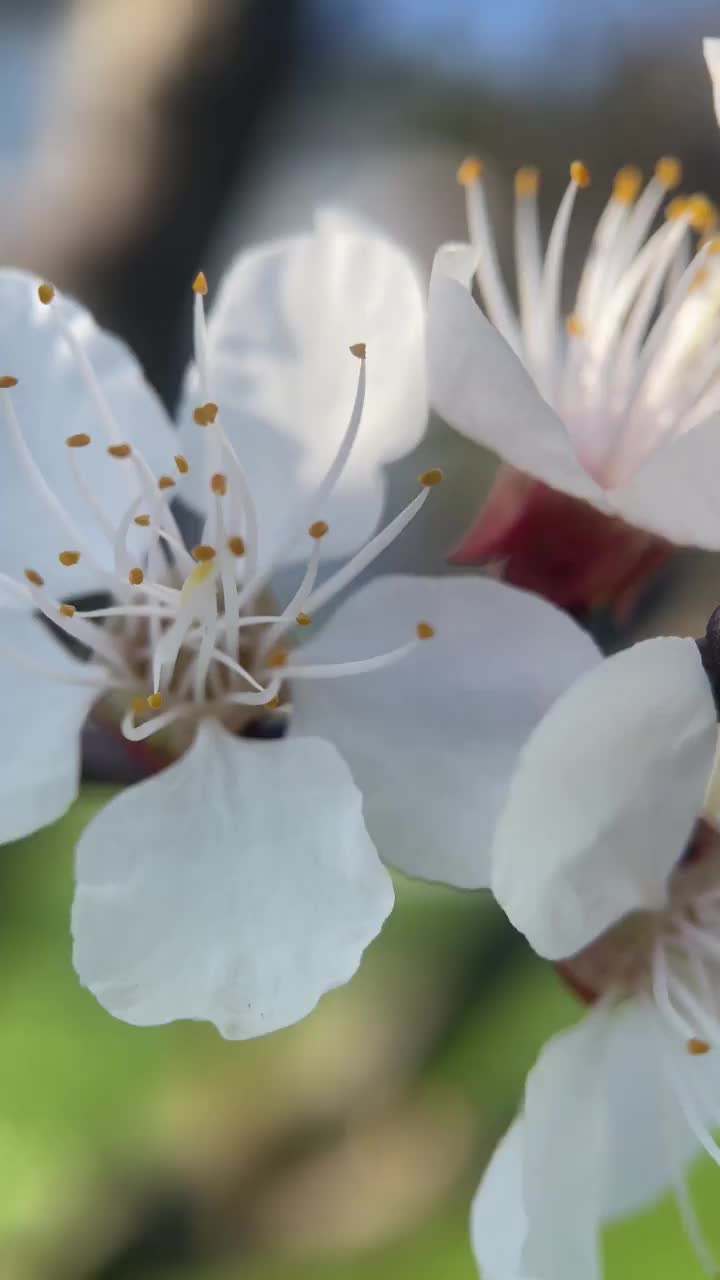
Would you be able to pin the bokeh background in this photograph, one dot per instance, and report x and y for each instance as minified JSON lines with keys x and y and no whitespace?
{"x":139,"y":140}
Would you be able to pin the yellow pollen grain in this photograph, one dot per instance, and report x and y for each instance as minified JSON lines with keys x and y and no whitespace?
{"x":702,"y":212}
{"x":7,"y":380}
{"x":668,"y":172}
{"x":627,"y":183}
{"x":303,"y":619}
{"x":45,"y":293}
{"x":182,"y":464}
{"x":138,"y":705}
{"x":424,"y":631}
{"x":580,"y":173}
{"x":277,"y":658}
{"x":143,"y":520}
{"x":428,"y":479}
{"x":78,"y":441}
{"x":359,"y":349}
{"x":318,"y":528}
{"x":574,"y":326}
{"x":203,"y":553}
{"x":119,"y":450}
{"x":272,"y":704}
{"x":200,"y":284}
{"x":236,"y":545}
{"x":154,"y":701}
{"x":165,"y":482}
{"x":218,"y":483}
{"x":136,"y":577}
{"x":469,"y":171}
{"x":69,"y":557}
{"x":67,"y":610}
{"x":696,"y":1047}
{"x":527,"y":182}
{"x":33,"y":576}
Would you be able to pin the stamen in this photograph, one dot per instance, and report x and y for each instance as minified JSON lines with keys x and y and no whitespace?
{"x":627,"y":184}
{"x":668,"y":172}
{"x":235,"y":545}
{"x":154,"y":701}
{"x":278,"y":658}
{"x":200,"y":284}
{"x":33,"y":576}
{"x":119,"y":450}
{"x":143,"y":520}
{"x":79,"y":441}
{"x":303,"y":619}
{"x":428,"y":479}
{"x":136,"y":577}
{"x":182,"y":464}
{"x":336,"y":670}
{"x":469,"y":171}
{"x":68,"y":610}
{"x":45,"y":293}
{"x":165,"y":482}
{"x":318,"y":528}
{"x":527,"y":182}
{"x":69,"y":557}
{"x":697,"y":1047}
{"x":202,"y":552}
{"x":489,"y":277}
{"x":580,"y":174}
{"x":424,"y":630}
{"x":7,"y":381}
{"x":218,"y":483}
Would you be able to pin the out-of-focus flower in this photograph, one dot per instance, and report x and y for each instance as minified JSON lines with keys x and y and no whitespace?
{"x":603,"y":858}
{"x":243,"y":880}
{"x":616,"y":405}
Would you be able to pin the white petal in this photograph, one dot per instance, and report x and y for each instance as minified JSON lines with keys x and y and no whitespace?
{"x":52,"y":402}
{"x":39,"y":728}
{"x":281,"y":371}
{"x":566,"y":1169}
{"x":433,"y":740}
{"x":605,"y":796}
{"x":237,"y":886}
{"x":481,"y":388}
{"x":674,"y":492}
{"x":498,"y":1221}
{"x":711,"y":50}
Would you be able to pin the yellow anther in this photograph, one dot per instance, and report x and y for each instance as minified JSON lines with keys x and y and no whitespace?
{"x":143,"y":520}
{"x":67,"y":610}
{"x":45,"y":293}
{"x":424,"y":631}
{"x":154,"y":701}
{"x":712,"y":244}
{"x":138,"y":705}
{"x":303,"y":619}
{"x":428,"y":479}
{"x":182,"y":464}
{"x":702,"y":213}
{"x":676,"y":208}
{"x":200,"y":284}
{"x":580,"y":173}
{"x":699,"y":279}
{"x":272,"y":704}
{"x":203,"y":553}
{"x":574,"y":326}
{"x":236,"y":545}
{"x":218,"y":483}
{"x":318,"y":528}
{"x":277,"y":658}
{"x":136,"y":577}
{"x":165,"y":482}
{"x":33,"y":576}
{"x":69,"y":557}
{"x":627,"y":184}
{"x":7,"y":380}
{"x":210,"y":410}
{"x":697,"y":1047}
{"x":359,"y":349}
{"x":119,"y":450}
{"x":78,"y":441}
{"x":469,"y":171}
{"x":199,"y":416}
{"x":668,"y":172}
{"x":527,"y":181}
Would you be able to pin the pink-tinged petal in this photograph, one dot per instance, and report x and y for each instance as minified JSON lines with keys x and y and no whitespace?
{"x":605,"y":796}
{"x":433,"y":740}
{"x":237,"y":886}
{"x":561,"y":547}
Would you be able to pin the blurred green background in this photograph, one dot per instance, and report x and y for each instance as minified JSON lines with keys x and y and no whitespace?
{"x":140,"y":139}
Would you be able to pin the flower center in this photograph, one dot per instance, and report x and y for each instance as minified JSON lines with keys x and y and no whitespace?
{"x":193,"y":631}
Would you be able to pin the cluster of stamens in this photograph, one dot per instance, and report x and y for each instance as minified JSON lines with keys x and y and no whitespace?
{"x":193,"y":631}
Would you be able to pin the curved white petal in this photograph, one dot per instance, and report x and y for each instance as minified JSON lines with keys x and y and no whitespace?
{"x":237,"y":886}
{"x":52,"y":402}
{"x":39,"y":727}
{"x":498,"y":1220}
{"x":281,"y":371}
{"x":711,"y":50}
{"x":566,"y":1169}
{"x":481,"y":388}
{"x":433,"y":740}
{"x":674,"y":492}
{"x":605,"y":796}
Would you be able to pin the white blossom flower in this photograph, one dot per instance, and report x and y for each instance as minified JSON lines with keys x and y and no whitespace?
{"x":603,"y":859}
{"x":243,"y":880}
{"x":618,"y":403}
